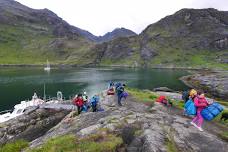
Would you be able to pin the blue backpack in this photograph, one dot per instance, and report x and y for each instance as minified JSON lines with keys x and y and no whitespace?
{"x":94,"y":100}
{"x":190,"y":108}
{"x":211,"y":111}
{"x":84,"y":108}
{"x":118,"y":84}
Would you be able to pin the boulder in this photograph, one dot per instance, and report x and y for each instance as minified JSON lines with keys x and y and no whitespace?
{"x":31,"y":125}
{"x":165,"y":89}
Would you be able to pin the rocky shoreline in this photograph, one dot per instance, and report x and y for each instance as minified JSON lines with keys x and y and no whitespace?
{"x":142,"y":128}
{"x":99,"y":66}
{"x":34,"y":123}
{"x":215,"y":83}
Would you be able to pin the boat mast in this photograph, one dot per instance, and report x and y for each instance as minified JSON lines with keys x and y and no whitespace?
{"x":44,"y":93}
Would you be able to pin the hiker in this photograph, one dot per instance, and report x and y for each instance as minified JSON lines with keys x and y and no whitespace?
{"x":111,"y":89}
{"x":185,"y":95}
{"x":200,"y":103}
{"x":118,"y":84}
{"x":78,"y":101}
{"x":111,"y":85}
{"x":192,"y":94}
{"x":94,"y":102}
{"x":120,"y":91}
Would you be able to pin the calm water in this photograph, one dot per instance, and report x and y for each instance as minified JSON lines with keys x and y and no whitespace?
{"x":17,"y":84}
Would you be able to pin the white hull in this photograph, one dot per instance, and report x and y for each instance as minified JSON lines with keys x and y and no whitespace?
{"x":19,"y":109}
{"x":47,"y":68}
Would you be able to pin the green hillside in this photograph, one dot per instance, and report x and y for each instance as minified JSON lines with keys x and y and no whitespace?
{"x":195,"y":38}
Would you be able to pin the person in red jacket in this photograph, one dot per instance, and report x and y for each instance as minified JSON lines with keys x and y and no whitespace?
{"x":200,"y":103}
{"x":78,"y":101}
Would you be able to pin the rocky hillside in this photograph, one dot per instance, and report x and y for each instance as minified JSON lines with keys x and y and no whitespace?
{"x":190,"y":38}
{"x":213,"y":83}
{"x":134,"y":127}
{"x":116,"y":33}
{"x":30,"y":36}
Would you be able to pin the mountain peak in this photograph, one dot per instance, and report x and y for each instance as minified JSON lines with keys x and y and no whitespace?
{"x":116,"y":33}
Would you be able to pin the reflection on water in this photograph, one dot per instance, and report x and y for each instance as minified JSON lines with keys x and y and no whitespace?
{"x":19,"y":84}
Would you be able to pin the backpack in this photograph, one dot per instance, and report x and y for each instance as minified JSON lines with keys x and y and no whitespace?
{"x":84,"y":108}
{"x":111,"y":91}
{"x":124,"y":94}
{"x":160,"y":98}
{"x":190,"y":108}
{"x":117,"y":85}
{"x":94,"y":100}
{"x":120,"y":90}
{"x":185,"y":96}
{"x":211,"y":111}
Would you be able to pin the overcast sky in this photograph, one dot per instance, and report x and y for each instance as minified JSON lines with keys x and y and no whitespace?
{"x":102,"y":16}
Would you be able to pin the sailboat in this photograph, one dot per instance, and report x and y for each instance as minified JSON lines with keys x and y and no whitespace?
{"x":47,"y":68}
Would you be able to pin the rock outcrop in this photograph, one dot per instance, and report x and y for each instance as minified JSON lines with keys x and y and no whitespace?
{"x":164,"y":89}
{"x":142,"y":128}
{"x":214,"y":83}
{"x":31,"y":125}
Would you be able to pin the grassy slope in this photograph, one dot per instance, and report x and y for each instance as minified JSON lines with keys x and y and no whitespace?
{"x":24,"y":45}
{"x":69,"y":143}
{"x":170,"y":54}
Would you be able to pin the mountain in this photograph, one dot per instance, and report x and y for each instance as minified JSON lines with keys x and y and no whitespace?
{"x":29,"y":36}
{"x":116,"y":33}
{"x":189,"y":38}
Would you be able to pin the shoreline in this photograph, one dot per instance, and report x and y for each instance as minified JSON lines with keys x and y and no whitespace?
{"x":108,"y":66}
{"x":213,"y":83}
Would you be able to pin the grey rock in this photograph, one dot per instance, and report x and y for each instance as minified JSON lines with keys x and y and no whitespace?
{"x":215,"y":83}
{"x":165,"y":89}
{"x":27,"y":128}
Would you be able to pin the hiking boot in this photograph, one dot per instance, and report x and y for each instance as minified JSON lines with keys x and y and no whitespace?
{"x":120,"y":104}
{"x":200,"y":129}
{"x":194,"y":124}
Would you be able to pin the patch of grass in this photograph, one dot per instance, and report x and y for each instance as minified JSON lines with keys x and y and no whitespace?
{"x":224,"y":135}
{"x":138,"y":132}
{"x":70,"y":143}
{"x":170,"y":145}
{"x":16,"y":146}
{"x":225,"y":103}
{"x":217,"y":119}
{"x":178,"y":104}
{"x":143,"y":96}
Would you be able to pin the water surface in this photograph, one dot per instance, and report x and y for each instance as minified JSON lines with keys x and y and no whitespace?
{"x":17,"y":84}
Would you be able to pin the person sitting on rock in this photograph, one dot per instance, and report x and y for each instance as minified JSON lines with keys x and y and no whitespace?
{"x":78,"y":101}
{"x":200,"y":102}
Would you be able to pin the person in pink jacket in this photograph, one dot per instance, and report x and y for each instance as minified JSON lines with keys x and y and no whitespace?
{"x":200,"y":103}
